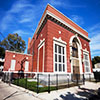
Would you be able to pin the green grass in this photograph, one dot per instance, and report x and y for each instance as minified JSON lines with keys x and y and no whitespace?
{"x":32,"y":85}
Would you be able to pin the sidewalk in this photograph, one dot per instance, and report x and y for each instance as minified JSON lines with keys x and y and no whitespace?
{"x":73,"y":93}
{"x":13,"y":93}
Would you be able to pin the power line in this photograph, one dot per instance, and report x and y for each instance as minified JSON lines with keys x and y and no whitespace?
{"x":2,"y":35}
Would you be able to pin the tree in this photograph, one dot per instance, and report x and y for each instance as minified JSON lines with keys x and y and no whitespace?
{"x":2,"y":52}
{"x":13,"y":42}
{"x":95,"y":60}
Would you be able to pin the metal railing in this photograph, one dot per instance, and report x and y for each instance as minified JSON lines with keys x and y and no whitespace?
{"x":44,"y":82}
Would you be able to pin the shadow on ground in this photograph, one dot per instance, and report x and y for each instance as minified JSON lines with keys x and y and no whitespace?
{"x":83,"y":94}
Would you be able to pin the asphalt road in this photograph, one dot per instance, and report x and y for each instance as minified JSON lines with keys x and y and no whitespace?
{"x":11,"y":93}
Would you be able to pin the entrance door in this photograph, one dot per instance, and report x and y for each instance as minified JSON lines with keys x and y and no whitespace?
{"x":76,"y":70}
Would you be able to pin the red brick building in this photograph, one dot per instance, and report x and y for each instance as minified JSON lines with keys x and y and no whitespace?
{"x":58,"y":46}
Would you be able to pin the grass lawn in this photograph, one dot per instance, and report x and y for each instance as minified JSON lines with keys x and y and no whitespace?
{"x":32,"y":85}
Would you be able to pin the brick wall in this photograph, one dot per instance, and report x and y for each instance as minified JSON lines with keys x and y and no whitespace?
{"x":18,"y":57}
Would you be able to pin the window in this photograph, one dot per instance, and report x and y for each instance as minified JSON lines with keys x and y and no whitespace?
{"x":26,"y":65}
{"x":13,"y":62}
{"x":74,"y":49}
{"x":86,"y":62}
{"x":59,"y":59}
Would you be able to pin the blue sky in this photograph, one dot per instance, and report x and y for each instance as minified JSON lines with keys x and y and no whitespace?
{"x":22,"y":17}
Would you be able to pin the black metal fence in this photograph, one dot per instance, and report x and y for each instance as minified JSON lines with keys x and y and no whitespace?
{"x":97,"y":76}
{"x":44,"y":82}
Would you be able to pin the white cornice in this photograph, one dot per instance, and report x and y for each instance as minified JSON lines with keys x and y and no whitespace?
{"x":41,"y":23}
{"x":62,"y":21}
{"x":66,"y":17}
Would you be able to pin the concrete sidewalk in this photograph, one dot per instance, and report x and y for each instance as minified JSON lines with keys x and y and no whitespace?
{"x":13,"y":93}
{"x":73,"y":93}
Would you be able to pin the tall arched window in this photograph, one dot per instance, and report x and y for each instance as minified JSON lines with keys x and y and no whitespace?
{"x":74,"y":49}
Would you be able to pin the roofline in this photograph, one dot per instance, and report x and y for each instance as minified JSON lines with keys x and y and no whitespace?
{"x":67,"y":17}
{"x":59,"y":19}
{"x":18,"y":53}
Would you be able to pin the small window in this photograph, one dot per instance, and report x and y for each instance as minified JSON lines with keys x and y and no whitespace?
{"x":55,"y":66}
{"x":63,"y":59}
{"x":13,"y":62}
{"x":63,"y":50}
{"x":59,"y":58}
{"x":74,"y":49}
{"x":55,"y":48}
{"x":55,"y":57}
{"x":60,"y":67}
{"x":26,"y":65}
{"x":60,"y":49}
{"x":63,"y":67}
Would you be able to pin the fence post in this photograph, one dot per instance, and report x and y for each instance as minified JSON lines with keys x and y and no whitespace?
{"x":37,"y":83}
{"x":56,"y":81}
{"x":9,"y":78}
{"x":83,"y":80}
{"x":4,"y":77}
{"x":77,"y":79}
{"x":89,"y":77}
{"x":48,"y":83}
{"x":18,"y":80}
{"x":68,"y":81}
{"x":26,"y":82}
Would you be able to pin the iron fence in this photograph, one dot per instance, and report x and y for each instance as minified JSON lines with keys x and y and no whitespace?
{"x":39,"y":82}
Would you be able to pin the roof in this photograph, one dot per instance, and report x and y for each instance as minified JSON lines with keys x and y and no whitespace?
{"x":18,"y":53}
{"x":53,"y":12}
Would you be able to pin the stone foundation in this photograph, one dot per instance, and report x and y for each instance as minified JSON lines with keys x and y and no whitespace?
{"x":62,"y":78}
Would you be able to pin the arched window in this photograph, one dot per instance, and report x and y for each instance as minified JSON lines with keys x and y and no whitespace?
{"x":74,"y":49}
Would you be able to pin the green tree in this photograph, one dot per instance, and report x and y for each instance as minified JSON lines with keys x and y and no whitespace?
{"x":2,"y":52}
{"x":12,"y":42}
{"x":95,"y":60}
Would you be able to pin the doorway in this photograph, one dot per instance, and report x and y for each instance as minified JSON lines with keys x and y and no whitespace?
{"x":75,"y":59}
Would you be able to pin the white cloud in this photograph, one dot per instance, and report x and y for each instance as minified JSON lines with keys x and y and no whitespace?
{"x":77,"y":19}
{"x":19,"y":6}
{"x":95,"y":42}
{"x":22,"y":11}
{"x":56,"y":3}
{"x":5,"y":21}
{"x":95,"y":39}
{"x":65,"y":4}
{"x":25,"y":20}
{"x":21,"y":32}
{"x":95,"y":27}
